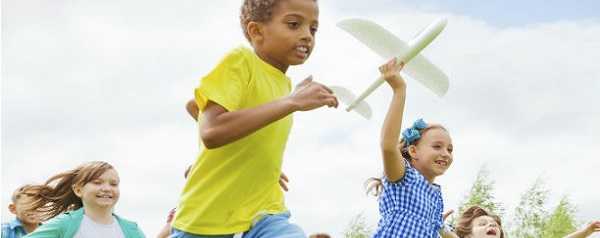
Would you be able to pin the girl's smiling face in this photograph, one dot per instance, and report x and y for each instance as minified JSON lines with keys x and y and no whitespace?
{"x":432,"y":155}
{"x":101,"y":192}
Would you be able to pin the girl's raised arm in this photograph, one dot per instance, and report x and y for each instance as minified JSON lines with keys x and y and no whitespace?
{"x":393,"y":164}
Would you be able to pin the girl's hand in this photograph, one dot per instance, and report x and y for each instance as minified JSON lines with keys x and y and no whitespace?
{"x":390,"y":72}
{"x":447,"y":214}
{"x":171,"y":216}
{"x":592,"y":227}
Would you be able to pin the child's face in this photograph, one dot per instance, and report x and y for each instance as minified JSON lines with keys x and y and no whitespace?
{"x":432,"y":155}
{"x":289,"y":37}
{"x":102,"y":192}
{"x":485,"y":227}
{"x":18,"y":208}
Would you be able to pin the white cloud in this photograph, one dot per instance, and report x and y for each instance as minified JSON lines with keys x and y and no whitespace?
{"x":108,"y":81}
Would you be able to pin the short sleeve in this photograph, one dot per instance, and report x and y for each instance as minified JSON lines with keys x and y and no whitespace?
{"x":410,"y":176}
{"x":226,"y":83}
{"x":5,"y":229}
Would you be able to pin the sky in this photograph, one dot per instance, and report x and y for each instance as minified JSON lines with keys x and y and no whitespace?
{"x":108,"y":80}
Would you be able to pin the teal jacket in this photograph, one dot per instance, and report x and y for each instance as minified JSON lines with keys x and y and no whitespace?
{"x":67,"y":224}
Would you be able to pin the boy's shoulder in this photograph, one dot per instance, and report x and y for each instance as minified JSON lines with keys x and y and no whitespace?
{"x":241,"y":50}
{"x":237,"y":54}
{"x":7,"y":227}
{"x":11,"y":224}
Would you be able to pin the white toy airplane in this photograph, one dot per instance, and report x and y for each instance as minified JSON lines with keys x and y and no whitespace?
{"x":386,"y":45}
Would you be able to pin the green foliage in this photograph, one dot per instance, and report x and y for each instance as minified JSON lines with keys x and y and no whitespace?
{"x":561,"y":222}
{"x":530,"y":214}
{"x":481,"y":194}
{"x":358,"y":228}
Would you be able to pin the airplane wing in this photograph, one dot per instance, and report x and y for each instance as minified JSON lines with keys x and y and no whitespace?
{"x":387,"y":45}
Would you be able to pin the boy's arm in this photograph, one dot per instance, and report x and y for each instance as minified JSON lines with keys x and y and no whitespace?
{"x":393,"y":164}
{"x":221,"y":127}
{"x":587,"y":231}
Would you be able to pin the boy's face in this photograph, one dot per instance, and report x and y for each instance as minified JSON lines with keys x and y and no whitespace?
{"x":289,"y":37}
{"x":18,"y":208}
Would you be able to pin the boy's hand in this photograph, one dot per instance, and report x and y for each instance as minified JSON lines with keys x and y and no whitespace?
{"x":390,"y":72}
{"x":283,"y":180}
{"x":192,"y":108}
{"x":310,"y":95}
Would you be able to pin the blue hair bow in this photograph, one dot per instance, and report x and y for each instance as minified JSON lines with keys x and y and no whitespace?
{"x":412,"y":134}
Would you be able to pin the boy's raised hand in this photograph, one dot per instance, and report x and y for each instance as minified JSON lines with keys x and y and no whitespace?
{"x":310,"y":95}
{"x":390,"y":71}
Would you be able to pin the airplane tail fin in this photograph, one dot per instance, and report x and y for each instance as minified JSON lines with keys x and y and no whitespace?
{"x":347,"y":97}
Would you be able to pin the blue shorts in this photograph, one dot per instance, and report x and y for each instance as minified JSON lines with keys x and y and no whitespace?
{"x":269,"y":226}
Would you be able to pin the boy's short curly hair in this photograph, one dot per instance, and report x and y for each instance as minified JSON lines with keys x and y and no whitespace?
{"x":257,"y":11}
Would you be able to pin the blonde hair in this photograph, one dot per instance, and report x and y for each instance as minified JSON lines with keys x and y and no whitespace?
{"x":21,"y":191}
{"x":374,"y":185}
{"x":57,"y":196}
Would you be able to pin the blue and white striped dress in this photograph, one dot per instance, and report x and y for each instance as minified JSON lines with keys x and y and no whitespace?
{"x":410,"y":207}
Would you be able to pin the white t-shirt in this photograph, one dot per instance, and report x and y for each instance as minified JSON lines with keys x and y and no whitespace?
{"x":92,"y":229}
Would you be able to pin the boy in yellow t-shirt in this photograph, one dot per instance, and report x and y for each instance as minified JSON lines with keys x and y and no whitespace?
{"x":245,"y":119}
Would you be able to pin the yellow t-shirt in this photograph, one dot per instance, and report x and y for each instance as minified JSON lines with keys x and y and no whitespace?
{"x":231,"y":185}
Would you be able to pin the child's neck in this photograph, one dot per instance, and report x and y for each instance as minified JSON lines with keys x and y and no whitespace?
{"x":267,"y":59}
{"x":29,"y":227}
{"x":102,"y":215}
{"x":429,"y":179}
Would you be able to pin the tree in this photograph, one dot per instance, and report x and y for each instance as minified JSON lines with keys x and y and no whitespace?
{"x":562,"y":220}
{"x":481,"y":194}
{"x":530,"y":215}
{"x":358,"y":228}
